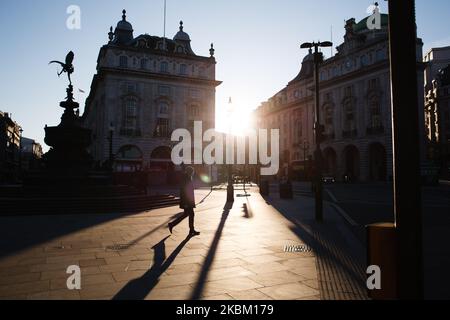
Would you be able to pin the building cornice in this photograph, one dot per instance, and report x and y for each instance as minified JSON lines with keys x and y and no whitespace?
{"x":159,"y":76}
{"x":165,"y":54}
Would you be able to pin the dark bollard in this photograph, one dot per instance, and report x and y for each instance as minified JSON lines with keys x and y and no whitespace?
{"x":383,"y":252}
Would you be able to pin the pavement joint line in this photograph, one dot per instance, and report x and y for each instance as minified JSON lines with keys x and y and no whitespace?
{"x":344,"y":214}
{"x":331,"y":195}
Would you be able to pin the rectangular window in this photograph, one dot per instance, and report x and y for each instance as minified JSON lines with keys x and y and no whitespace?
{"x":164,"y":67}
{"x":144,"y":63}
{"x":194,"y":111}
{"x":164,"y":91}
{"x":131,"y":88}
{"x":379,"y":55}
{"x":123,"y":62}
{"x":130,"y":118}
{"x":348,"y":91}
{"x":183,"y":69}
{"x":195,"y":94}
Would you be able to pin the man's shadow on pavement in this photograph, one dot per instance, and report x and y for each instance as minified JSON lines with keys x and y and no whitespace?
{"x":198,"y":289}
{"x":138,"y":289}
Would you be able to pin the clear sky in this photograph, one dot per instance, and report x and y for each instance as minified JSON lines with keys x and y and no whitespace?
{"x":257,"y":44}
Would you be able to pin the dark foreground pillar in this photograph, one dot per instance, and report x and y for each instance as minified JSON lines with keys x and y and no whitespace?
{"x":406,"y":144}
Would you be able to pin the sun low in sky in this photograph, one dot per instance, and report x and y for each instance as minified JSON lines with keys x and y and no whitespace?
{"x":233,"y":117}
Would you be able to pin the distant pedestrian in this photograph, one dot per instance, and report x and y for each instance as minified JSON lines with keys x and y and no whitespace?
{"x":187,"y":201}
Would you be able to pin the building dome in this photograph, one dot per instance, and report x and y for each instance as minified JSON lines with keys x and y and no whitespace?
{"x":181,"y":35}
{"x":309,"y":56}
{"x":307,"y":69}
{"x":124,"y":31}
{"x":124,"y":25}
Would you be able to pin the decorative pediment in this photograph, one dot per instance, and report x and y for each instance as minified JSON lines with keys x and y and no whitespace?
{"x":349,"y":99}
{"x":165,"y":99}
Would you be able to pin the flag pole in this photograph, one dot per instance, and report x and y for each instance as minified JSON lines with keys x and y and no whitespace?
{"x":164,"y":36}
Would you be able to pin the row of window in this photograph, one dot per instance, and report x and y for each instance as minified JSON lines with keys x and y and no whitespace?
{"x":372,"y":84}
{"x":144,"y":64}
{"x":165,"y":91}
{"x":349,"y":118}
{"x":130,"y":118}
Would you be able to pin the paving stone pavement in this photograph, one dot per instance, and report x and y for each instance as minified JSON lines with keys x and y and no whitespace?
{"x":240,"y":254}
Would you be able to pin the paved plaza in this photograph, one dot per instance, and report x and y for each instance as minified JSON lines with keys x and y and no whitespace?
{"x":240,"y":254}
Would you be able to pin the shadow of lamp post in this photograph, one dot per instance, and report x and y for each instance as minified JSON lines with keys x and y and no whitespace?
{"x":318,"y":128}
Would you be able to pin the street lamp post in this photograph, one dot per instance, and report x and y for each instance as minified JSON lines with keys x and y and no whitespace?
{"x":318,"y":129}
{"x":230,"y":187}
{"x":305,"y":149}
{"x":110,"y":139}
{"x":20,"y":150}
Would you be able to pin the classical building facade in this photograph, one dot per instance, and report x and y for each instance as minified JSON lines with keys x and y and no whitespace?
{"x":10,"y":135}
{"x":145,"y":88}
{"x":437,"y":107}
{"x":354,"y":103}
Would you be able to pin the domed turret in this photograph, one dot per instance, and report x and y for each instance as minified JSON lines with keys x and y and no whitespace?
{"x":124,"y":30}
{"x":183,"y":39}
{"x":307,"y":69}
{"x":181,"y":35}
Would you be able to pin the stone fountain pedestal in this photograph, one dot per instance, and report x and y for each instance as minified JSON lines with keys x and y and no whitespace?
{"x":68,"y":165}
{"x":68,"y":141}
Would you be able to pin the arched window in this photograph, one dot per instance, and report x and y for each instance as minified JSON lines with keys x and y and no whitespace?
{"x":128,"y":159}
{"x":164,"y":67}
{"x":129,"y":153}
{"x":180,"y":49}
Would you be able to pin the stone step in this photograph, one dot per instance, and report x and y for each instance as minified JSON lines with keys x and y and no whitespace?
{"x":94,"y":205}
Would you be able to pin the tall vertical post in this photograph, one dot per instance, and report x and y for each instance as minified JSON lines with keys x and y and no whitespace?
{"x":230,"y":187}
{"x":406,"y":145}
{"x":111,"y":153}
{"x":318,"y":134}
{"x":20,"y":150}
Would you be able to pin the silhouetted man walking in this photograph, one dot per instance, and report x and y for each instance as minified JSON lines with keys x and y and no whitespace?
{"x":187,"y":201}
